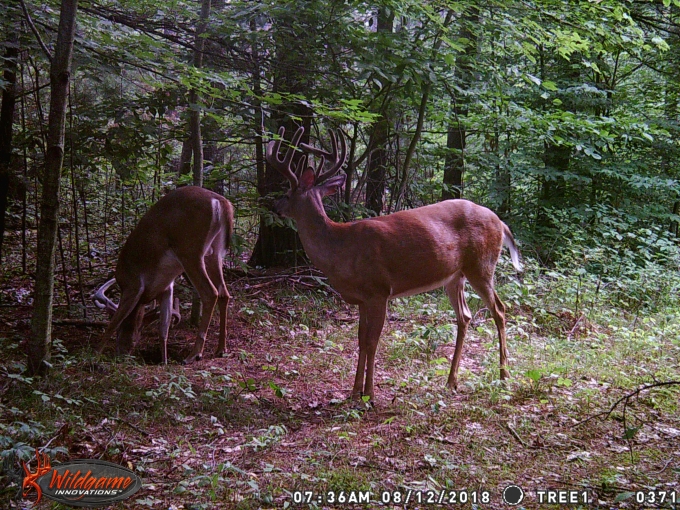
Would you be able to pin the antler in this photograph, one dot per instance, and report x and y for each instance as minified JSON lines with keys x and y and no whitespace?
{"x":155,"y":313}
{"x":284,"y":165}
{"x":103,"y":302}
{"x":337,"y":159}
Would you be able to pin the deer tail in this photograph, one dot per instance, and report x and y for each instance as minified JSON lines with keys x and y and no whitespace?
{"x":509,"y":242}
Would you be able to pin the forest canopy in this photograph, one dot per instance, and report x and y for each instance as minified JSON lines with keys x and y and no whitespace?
{"x":560,"y":116}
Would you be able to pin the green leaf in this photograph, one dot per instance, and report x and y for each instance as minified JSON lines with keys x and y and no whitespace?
{"x":623,"y":496}
{"x":630,"y":433}
{"x":534,"y":375}
{"x":549,"y":85}
{"x":564,"y":382}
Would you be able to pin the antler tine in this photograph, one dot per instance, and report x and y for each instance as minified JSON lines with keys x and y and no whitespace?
{"x":338,"y":160}
{"x":102,"y":301}
{"x":301,"y":165}
{"x":319,"y":167}
{"x":317,"y":151}
{"x":283,"y":165}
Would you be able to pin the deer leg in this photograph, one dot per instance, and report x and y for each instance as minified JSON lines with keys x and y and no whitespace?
{"x":358,"y":387}
{"x":130,"y":331}
{"x":373,"y":317}
{"x":456,"y":292}
{"x":208,"y":294}
{"x":176,"y":315}
{"x":486,"y":291}
{"x":214,"y":268}
{"x":166,"y":302}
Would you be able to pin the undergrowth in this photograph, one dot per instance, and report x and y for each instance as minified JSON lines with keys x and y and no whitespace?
{"x":271,"y":419}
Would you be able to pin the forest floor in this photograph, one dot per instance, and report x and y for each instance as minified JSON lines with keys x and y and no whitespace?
{"x":269,"y":425}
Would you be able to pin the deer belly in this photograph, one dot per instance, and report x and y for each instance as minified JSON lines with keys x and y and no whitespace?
{"x":167,"y":269}
{"x":417,"y":289}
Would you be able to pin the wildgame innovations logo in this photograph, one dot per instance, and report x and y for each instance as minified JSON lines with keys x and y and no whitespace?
{"x":79,"y":482}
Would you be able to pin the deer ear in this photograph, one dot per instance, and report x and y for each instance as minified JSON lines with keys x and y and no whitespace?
{"x":332,"y":185}
{"x":307,"y":179}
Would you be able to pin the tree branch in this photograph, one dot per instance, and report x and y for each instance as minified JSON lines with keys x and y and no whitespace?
{"x":35,"y":31}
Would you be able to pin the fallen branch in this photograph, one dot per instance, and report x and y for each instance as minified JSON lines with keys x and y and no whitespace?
{"x":626,"y":398}
{"x":515,"y":434}
{"x":133,"y":427}
{"x":571,"y":333}
{"x":79,"y":322}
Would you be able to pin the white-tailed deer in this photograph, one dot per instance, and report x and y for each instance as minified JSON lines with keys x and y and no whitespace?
{"x":186,"y":231}
{"x":373,"y":260}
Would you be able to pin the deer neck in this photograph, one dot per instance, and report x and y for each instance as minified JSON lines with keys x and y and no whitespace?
{"x":318,"y":234}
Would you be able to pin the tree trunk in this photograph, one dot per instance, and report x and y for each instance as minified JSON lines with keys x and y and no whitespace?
{"x":6,"y":121}
{"x":278,"y":246}
{"x":454,"y":163}
{"x":553,"y":186}
{"x":377,"y":165}
{"x":41,"y":323}
{"x":378,"y":160}
{"x":195,"y":115}
{"x":557,"y":158}
{"x":196,"y":137}
{"x":184,"y":166}
{"x":671,"y":100}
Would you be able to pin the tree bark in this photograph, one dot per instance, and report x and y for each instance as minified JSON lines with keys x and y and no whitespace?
{"x":454,"y":163}
{"x":378,"y":160}
{"x":41,"y":323}
{"x":279,"y":246}
{"x":196,"y":136}
{"x":556,"y":157}
{"x":195,"y":114}
{"x":377,"y":165}
{"x":6,"y":122}
{"x":427,"y":87}
{"x":184,"y":165}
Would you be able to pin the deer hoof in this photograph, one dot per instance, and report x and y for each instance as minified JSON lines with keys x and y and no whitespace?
{"x":220,"y":354}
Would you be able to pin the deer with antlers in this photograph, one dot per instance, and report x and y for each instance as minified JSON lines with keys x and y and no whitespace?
{"x":373,"y":260}
{"x":186,"y":231}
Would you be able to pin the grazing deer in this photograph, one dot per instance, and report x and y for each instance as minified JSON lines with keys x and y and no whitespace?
{"x":377,"y":259}
{"x":186,"y":231}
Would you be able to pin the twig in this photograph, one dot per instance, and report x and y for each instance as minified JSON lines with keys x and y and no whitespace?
{"x":571,"y":333}
{"x":515,"y":434}
{"x":50,"y":441}
{"x":133,"y":427}
{"x":639,"y":390}
{"x":79,"y":322}
{"x":264,"y":284}
{"x":442,"y":440}
{"x":626,"y":398}
{"x":668,"y":463}
{"x":35,"y":31}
